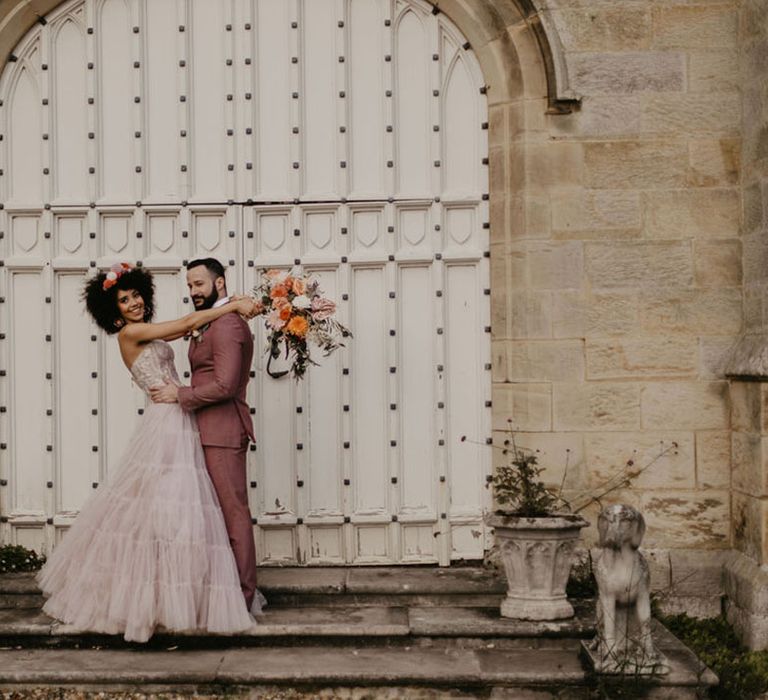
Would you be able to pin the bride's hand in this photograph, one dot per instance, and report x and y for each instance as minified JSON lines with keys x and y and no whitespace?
{"x":245,"y":306}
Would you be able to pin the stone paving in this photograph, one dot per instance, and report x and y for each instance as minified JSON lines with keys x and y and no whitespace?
{"x":337,"y":633}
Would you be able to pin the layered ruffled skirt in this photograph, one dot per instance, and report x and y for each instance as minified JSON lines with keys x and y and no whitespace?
{"x":150,"y":548}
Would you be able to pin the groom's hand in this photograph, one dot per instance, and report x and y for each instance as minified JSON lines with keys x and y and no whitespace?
{"x":168,"y":393}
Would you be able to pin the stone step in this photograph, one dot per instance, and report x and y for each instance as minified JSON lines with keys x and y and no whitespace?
{"x":364,"y":625}
{"x":336,"y":586}
{"x":500,"y":673}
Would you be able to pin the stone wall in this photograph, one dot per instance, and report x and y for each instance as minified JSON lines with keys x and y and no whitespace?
{"x":622,"y":261}
{"x":745,"y":582}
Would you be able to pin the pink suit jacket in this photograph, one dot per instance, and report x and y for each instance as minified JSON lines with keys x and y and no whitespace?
{"x":221,"y":360}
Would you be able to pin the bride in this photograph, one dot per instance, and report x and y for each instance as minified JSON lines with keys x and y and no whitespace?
{"x":150,"y":548}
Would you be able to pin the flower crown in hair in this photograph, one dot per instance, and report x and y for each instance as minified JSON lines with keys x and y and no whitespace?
{"x":115,"y":272}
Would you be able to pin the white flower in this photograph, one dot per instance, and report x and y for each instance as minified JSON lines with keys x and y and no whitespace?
{"x":111,"y":275}
{"x":302,"y":301}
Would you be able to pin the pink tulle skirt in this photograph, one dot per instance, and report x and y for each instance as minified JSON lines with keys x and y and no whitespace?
{"x":150,"y":548}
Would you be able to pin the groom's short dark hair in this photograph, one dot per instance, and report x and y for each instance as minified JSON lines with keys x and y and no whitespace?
{"x":211,"y":264}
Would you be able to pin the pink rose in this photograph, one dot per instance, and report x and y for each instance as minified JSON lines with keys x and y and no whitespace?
{"x":322,"y":308}
{"x":274,"y":321}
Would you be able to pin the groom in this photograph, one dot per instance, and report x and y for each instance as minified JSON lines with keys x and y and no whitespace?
{"x":220,"y":357}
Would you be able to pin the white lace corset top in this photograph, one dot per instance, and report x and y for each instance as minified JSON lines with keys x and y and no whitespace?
{"x":154,"y":366}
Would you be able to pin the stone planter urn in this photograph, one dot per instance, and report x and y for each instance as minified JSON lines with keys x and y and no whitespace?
{"x":537,"y":554}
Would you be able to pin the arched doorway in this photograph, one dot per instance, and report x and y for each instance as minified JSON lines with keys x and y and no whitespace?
{"x":347,"y":137}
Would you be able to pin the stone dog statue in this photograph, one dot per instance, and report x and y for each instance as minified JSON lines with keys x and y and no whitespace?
{"x":624,"y":643}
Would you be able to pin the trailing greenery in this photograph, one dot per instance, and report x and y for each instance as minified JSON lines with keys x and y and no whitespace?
{"x":743,"y":674}
{"x":15,"y":558}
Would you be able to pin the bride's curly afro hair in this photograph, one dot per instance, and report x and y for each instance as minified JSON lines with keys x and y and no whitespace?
{"x":102,"y":304}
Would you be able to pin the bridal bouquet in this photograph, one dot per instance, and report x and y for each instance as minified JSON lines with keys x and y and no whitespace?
{"x":297,"y":312}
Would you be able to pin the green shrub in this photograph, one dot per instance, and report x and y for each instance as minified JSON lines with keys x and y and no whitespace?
{"x":15,"y":558}
{"x":743,"y":674}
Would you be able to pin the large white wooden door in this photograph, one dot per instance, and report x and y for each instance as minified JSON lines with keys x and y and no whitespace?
{"x":344,"y":136}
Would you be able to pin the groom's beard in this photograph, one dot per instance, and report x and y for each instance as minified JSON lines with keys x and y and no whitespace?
{"x":200,"y":302}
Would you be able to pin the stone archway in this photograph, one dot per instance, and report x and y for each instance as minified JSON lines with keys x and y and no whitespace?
{"x":506,"y":91}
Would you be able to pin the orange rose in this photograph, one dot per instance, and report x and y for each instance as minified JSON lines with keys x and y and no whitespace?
{"x":299,"y":286}
{"x":297,"y":326}
{"x":279,"y":290}
{"x":285,"y":312}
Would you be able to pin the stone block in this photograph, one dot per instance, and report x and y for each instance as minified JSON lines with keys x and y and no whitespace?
{"x":576,"y":210}
{"x":560,"y":454}
{"x":746,"y":406}
{"x":498,"y":159}
{"x":752,"y":629}
{"x":498,"y":118}
{"x":686,"y":519}
{"x":635,"y":264}
{"x":603,"y":28}
{"x":700,"y":607}
{"x":500,"y":360}
{"x":717,"y":263}
{"x":753,"y":310}
{"x":690,"y":113}
{"x":517,"y":264}
{"x":680,"y":404}
{"x":750,"y":353}
{"x":702,"y":311}
{"x":755,"y":18}
{"x":529,"y":216}
{"x":752,"y":207}
{"x":755,"y":257}
{"x":528,"y":406}
{"x":527,"y":120}
{"x":538,"y":215}
{"x":696,"y":572}
{"x":530,"y":314}
{"x":606,"y":73}
{"x":745,"y":583}
{"x":556,"y":265}
{"x":747,"y":456}
{"x":695,"y":26}
{"x":596,"y":406}
{"x":714,"y":353}
{"x":645,"y":460}
{"x":632,"y":165}
{"x":713,"y":70}
{"x":553,"y":164}
{"x":613,"y":313}
{"x":714,"y":162}
{"x":502,"y":76}
{"x":569,"y":312}
{"x":692,"y":213}
{"x":546,"y":361}
{"x":500,"y":310}
{"x":627,"y":358}
{"x":498,"y":216}
{"x":750,"y":525}
{"x":599,"y":116}
{"x":713,"y":459}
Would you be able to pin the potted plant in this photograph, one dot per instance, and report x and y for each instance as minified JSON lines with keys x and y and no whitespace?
{"x":536,"y":537}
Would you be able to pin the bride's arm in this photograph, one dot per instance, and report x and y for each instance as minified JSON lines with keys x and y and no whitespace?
{"x":171,"y":330}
